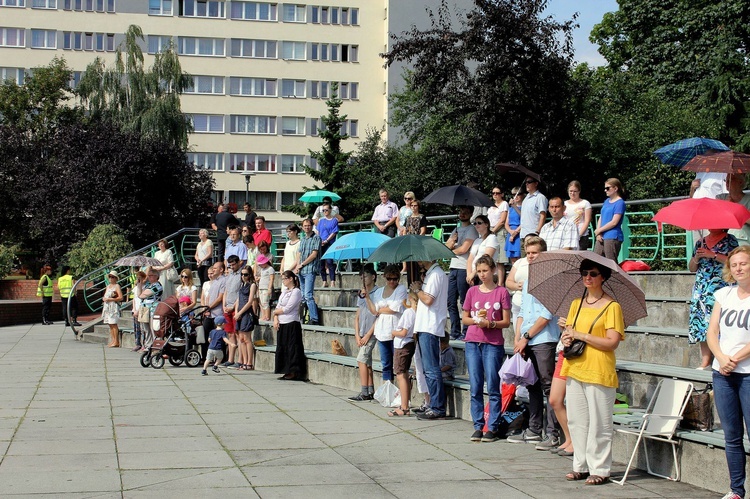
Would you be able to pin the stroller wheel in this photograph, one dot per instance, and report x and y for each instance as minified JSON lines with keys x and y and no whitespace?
{"x":146,"y":359}
{"x":174,"y":360}
{"x":157,"y":361}
{"x":193,"y":358}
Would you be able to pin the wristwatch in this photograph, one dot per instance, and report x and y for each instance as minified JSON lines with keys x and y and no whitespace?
{"x":526,"y":335}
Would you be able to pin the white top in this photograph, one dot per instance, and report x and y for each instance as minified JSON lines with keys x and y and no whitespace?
{"x":494,"y":213}
{"x":576,"y":213}
{"x":464,"y":233}
{"x":712,"y":184}
{"x":405,"y":322}
{"x":432,"y":319}
{"x":479,"y":247}
{"x":386,"y":323}
{"x":182,"y":290}
{"x":734,"y":326}
{"x":290,"y":255}
{"x":266,"y":274}
{"x":522,"y":273}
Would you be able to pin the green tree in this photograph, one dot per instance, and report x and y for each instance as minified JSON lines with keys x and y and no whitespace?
{"x":7,"y":256}
{"x":146,"y":101}
{"x":105,"y":243}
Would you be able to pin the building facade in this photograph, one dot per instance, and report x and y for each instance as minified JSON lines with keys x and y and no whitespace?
{"x":262,"y":73}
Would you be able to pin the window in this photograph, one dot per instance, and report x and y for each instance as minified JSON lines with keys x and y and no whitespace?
{"x":110,"y":5}
{"x":253,"y":11}
{"x":252,"y":163}
{"x":291,"y":163}
{"x":158,"y":43}
{"x":88,"y":41}
{"x":207,"y":123}
{"x":334,"y":51}
{"x":255,"y":125}
{"x":202,"y":8}
{"x":344,"y":16}
{"x":260,"y":201}
{"x":158,"y":7}
{"x":315,"y":15}
{"x":293,"y":50}
{"x":43,"y":39}
{"x":293,"y":88}
{"x":13,"y":74}
{"x":103,"y":42}
{"x":322,"y":90}
{"x":314,"y":49}
{"x":255,"y":87}
{"x":324,"y":15}
{"x":110,"y":42}
{"x":12,"y":3}
{"x":290,"y":198}
{"x":292,"y":126}
{"x":313,"y":129}
{"x":12,"y":37}
{"x":344,"y":90}
{"x":210,"y":161}
{"x":294,"y":13}
{"x":354,"y":17}
{"x":349,"y":53}
{"x":206,"y":85}
{"x":324,"y":52}
{"x":43,"y":4}
{"x":351,"y":128}
{"x":334,"y":15}
{"x":259,"y":49}
{"x":190,"y":45}
{"x":75,"y":79}
{"x":354,"y":91}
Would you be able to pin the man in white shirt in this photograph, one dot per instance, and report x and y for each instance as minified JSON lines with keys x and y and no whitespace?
{"x":385,"y":215}
{"x":430,"y":326}
{"x":560,"y":232}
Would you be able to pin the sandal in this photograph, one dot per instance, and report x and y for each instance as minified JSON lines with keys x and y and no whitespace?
{"x":577,"y":475}
{"x":398,"y":412}
{"x":597,"y":480}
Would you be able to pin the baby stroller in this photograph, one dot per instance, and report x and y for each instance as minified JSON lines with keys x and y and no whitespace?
{"x":175,"y":336}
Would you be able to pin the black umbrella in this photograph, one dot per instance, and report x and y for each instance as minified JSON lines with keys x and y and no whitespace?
{"x":458,"y":195}
{"x":514,"y":168}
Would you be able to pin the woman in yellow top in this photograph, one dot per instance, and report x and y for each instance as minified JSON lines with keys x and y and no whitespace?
{"x":596,"y":319}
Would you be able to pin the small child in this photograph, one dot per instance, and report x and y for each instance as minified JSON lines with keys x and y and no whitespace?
{"x":404,"y":346}
{"x":447,"y":358}
{"x":265,"y":286}
{"x":215,"y":353}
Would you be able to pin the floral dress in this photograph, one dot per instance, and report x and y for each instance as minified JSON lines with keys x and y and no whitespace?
{"x":707,"y":280}
{"x":110,"y":309}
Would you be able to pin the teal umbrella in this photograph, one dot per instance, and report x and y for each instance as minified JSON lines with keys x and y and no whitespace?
{"x":411,"y":248}
{"x":317,"y":196}
{"x":357,"y":245}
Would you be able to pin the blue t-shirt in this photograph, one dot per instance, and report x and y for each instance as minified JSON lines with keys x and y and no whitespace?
{"x":216,"y":339}
{"x":609,"y":210}
{"x":327,"y":227}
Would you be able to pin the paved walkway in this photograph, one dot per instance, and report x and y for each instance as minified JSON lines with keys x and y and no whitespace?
{"x":82,"y":420}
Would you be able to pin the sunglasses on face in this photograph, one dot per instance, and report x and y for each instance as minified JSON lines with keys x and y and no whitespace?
{"x":245,"y":274}
{"x":183,"y":277}
{"x":608,"y":188}
{"x":392,"y":279}
{"x":496,"y":193}
{"x":590,"y":273}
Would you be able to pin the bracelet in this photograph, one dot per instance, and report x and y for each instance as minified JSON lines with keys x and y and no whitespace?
{"x":493,"y":324}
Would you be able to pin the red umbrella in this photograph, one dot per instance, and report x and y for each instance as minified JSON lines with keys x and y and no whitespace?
{"x":719,"y":162}
{"x":703,"y":213}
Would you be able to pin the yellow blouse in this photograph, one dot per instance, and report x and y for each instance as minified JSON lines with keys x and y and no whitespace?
{"x":594,"y":366}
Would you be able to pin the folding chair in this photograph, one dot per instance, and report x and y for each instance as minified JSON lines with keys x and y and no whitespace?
{"x":660,"y":421}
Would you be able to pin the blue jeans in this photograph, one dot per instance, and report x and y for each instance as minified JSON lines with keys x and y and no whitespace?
{"x":137,"y":332}
{"x":483,"y":362}
{"x":307,"y":283}
{"x":429,"y":349}
{"x":732,"y":399}
{"x":457,"y":288}
{"x":386,"y":359}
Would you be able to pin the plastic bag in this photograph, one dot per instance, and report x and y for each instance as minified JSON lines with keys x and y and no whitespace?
{"x":386,"y":394}
{"x":518,"y":371}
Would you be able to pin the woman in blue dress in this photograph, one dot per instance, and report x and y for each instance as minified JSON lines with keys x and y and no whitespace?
{"x":513,"y":226}
{"x":709,"y":256}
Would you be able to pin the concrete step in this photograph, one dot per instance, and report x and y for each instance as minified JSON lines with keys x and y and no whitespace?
{"x":665,"y":283}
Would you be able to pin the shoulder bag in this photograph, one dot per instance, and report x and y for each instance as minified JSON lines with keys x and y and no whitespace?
{"x":576,"y":348}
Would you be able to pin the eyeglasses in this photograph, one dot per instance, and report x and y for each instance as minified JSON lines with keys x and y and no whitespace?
{"x":326,"y":211}
{"x":392,"y":279}
{"x":478,"y":223}
{"x":244,"y":274}
{"x":590,"y":273}
{"x":608,"y":187}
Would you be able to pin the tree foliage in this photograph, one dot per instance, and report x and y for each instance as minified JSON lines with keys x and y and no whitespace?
{"x":146,"y":101}
{"x":104,"y":244}
{"x":7,"y":256}
{"x":495,"y":88}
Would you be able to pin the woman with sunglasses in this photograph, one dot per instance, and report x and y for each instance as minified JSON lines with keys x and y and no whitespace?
{"x":415,"y":224}
{"x":513,"y":226}
{"x":386,"y":304}
{"x":608,"y":231}
{"x":186,"y":289}
{"x":404,"y":213}
{"x":291,"y":362}
{"x":596,"y":319}
{"x":245,"y":317}
{"x":485,"y":244}
{"x":328,"y":228}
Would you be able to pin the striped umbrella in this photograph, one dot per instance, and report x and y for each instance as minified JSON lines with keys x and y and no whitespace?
{"x":555,"y":280}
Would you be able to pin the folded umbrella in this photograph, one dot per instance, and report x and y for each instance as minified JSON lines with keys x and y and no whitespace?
{"x":410,"y":248}
{"x":355,"y":246}
{"x":555,"y":280}
{"x":518,"y":371}
{"x":458,"y":195}
{"x":703,"y":213}
{"x":682,"y":151}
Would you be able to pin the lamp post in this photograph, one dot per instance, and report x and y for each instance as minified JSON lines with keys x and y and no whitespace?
{"x":247,"y":176}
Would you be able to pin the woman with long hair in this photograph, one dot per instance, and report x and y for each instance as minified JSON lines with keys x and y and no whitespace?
{"x":386,"y":304}
{"x":245,"y":318}
{"x":485,"y":244}
{"x":186,"y":290}
{"x":291,"y":362}
{"x":111,"y":309}
{"x":608,"y":231}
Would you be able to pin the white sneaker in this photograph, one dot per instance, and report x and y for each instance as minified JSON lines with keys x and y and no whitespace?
{"x":525,"y":437}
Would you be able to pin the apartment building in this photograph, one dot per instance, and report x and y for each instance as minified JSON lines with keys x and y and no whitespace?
{"x":262,"y":73}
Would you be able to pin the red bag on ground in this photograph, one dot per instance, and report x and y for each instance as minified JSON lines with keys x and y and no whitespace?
{"x":635,"y":266}
{"x":508,"y":392}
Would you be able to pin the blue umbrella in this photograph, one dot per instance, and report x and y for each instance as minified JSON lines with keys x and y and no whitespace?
{"x":682,"y":151}
{"x":355,"y":246}
{"x":317,"y":196}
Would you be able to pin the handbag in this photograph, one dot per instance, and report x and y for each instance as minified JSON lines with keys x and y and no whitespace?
{"x":144,"y":314}
{"x":699,"y":411}
{"x":577,"y":347}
